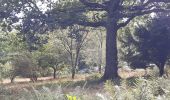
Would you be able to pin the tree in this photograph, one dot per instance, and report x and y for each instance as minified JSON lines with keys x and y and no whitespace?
{"x":111,"y":14}
{"x":100,"y":50}
{"x":73,"y":42}
{"x":151,"y":44}
{"x":95,"y":48}
{"x":50,"y":61}
{"x":51,"y":55}
{"x":10,"y":46}
{"x":23,"y":65}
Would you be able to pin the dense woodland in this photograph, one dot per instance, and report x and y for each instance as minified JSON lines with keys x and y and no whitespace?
{"x":105,"y":41}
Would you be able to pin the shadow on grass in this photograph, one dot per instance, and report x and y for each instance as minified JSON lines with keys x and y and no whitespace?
{"x":72,"y":84}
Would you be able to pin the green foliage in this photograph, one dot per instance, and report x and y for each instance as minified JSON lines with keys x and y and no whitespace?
{"x":95,"y":76}
{"x":147,"y":43}
{"x":109,"y":87}
{"x":144,"y":89}
{"x":25,"y":66}
{"x":110,"y":14}
{"x":48,"y":61}
{"x":5,"y":71}
{"x":52,"y":55}
{"x":11,"y":45}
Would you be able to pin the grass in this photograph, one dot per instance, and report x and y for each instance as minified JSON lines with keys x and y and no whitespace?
{"x":86,"y":87}
{"x":63,"y":86}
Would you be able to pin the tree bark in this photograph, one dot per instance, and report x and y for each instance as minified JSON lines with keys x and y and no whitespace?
{"x":12,"y":79}
{"x":77,"y":56}
{"x":54,"y":73}
{"x":73,"y":72}
{"x":111,"y":53}
{"x":161,"y":69}
{"x":100,"y":52}
{"x":72,"y":61}
{"x":75,"y":63}
{"x":100,"y":69}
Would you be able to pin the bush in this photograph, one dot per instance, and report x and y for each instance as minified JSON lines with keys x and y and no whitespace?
{"x":139,"y":89}
{"x":25,"y":66}
{"x":4,"y":71}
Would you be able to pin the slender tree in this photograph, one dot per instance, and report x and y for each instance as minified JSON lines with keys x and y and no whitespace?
{"x":73,"y":42}
{"x":52,"y":55}
{"x":50,"y":61}
{"x":100,"y":39}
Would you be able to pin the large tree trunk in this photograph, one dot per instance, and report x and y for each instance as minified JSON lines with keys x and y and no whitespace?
{"x":111,"y":52}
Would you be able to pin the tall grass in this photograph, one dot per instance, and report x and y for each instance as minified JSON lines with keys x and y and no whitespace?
{"x":129,"y":89}
{"x":140,"y":89}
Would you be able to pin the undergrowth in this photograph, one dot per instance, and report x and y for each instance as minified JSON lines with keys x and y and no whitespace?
{"x":135,"y":88}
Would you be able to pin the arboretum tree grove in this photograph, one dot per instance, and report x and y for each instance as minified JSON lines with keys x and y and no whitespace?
{"x":110,"y":14}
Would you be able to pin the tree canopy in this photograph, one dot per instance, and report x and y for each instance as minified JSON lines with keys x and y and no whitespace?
{"x":149,"y":44}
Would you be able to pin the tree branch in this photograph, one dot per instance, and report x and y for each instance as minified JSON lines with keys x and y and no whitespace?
{"x":164,"y":1}
{"x":140,"y":13}
{"x":33,"y":6}
{"x":91,"y":24}
{"x":152,"y":10}
{"x":92,"y":4}
{"x":126,"y":22}
{"x":83,"y":40}
{"x":148,"y":4}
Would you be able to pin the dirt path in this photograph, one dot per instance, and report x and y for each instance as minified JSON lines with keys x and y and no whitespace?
{"x":21,"y":80}
{"x":21,"y":83}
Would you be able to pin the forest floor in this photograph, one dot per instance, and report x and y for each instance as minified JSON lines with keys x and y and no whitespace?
{"x":86,"y":82}
{"x":67,"y":84}
{"x":21,"y":83}
{"x":122,"y":72}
